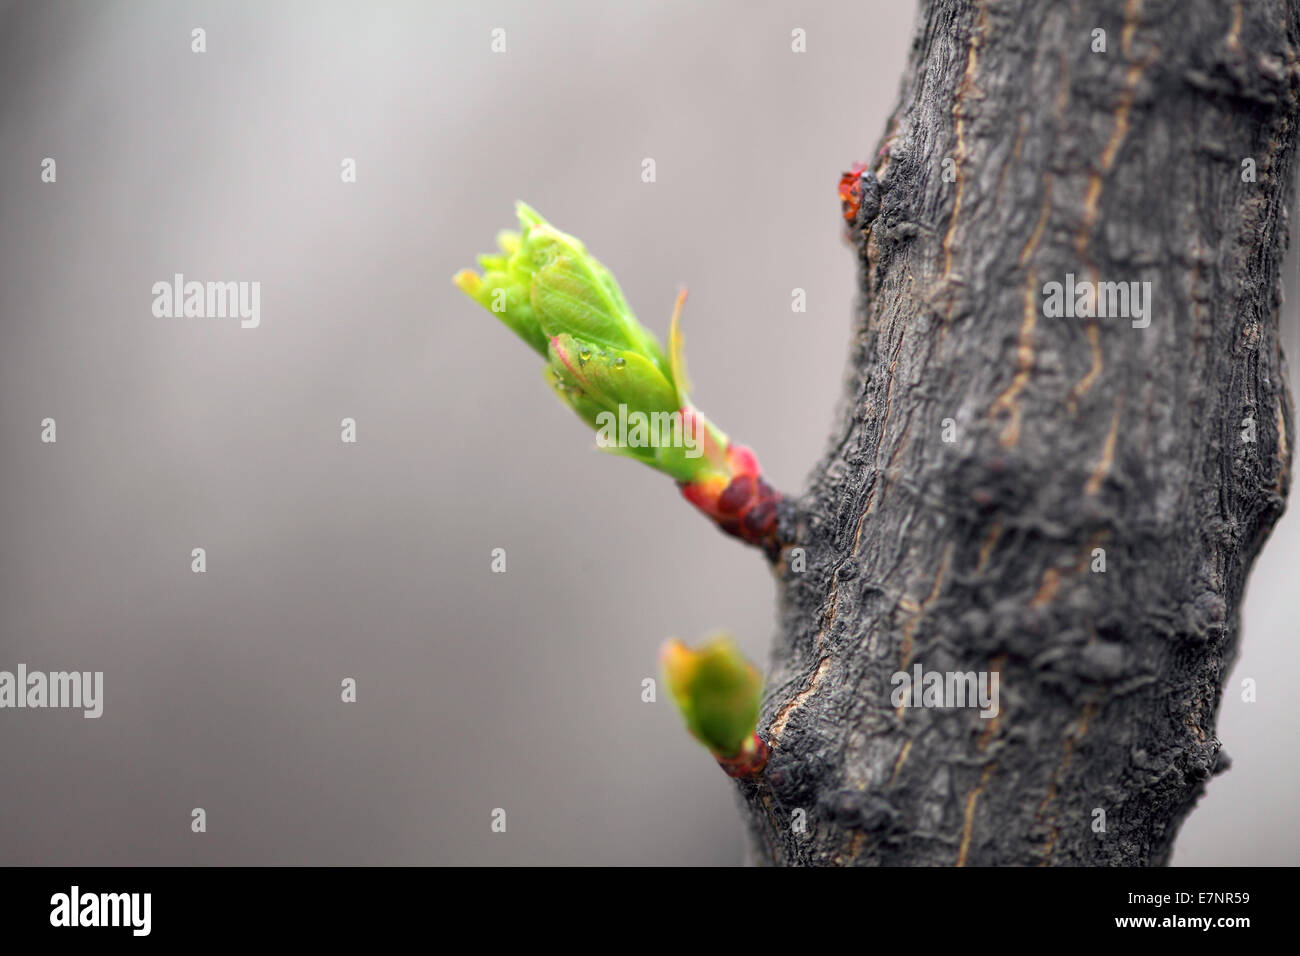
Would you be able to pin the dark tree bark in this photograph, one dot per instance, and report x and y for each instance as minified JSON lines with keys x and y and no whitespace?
{"x":1071,"y":435}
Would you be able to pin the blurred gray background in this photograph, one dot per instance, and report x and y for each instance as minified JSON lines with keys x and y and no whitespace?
{"x":326,"y":560}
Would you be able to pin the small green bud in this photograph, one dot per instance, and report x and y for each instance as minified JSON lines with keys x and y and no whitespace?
{"x":718,"y":692}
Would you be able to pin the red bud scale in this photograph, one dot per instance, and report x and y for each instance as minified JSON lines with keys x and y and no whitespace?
{"x":744,"y":507}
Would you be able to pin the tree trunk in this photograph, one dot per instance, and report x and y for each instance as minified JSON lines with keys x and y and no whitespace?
{"x":992,"y":457}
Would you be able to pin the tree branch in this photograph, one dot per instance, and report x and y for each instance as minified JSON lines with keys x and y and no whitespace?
{"x":990,"y":450}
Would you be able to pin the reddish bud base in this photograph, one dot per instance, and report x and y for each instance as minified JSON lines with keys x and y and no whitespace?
{"x":749,"y":762}
{"x":746,"y":508}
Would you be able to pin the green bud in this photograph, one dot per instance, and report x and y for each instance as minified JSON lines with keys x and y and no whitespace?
{"x":548,"y":289}
{"x":717,"y":691}
{"x":601,"y":362}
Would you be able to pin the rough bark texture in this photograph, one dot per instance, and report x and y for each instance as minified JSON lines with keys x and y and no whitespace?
{"x":1071,"y":435}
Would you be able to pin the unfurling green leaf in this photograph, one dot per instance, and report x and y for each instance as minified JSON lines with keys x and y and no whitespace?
{"x":547,"y":288}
